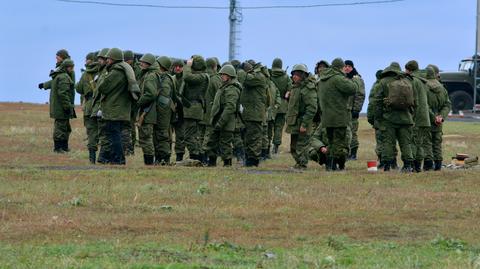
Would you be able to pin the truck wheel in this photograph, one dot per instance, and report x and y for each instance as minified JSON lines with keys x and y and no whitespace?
{"x":461,"y":101}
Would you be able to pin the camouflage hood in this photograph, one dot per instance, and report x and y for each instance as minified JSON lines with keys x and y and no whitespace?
{"x":392,"y":70}
{"x":277,"y":72}
{"x":329,"y":73}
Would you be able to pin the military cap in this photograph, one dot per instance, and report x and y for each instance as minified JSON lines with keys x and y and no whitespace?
{"x":349,"y":62}
{"x":198,"y":63}
{"x":430,"y":72}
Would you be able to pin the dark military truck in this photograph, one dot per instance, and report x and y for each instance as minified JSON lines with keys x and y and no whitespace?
{"x":459,"y":85}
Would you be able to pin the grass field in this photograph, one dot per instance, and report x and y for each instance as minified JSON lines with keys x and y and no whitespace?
{"x":56,"y":211}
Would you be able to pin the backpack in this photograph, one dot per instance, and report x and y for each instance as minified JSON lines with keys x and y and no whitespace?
{"x":400,"y":94}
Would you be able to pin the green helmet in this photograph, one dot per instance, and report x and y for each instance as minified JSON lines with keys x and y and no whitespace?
{"x":198,"y":63}
{"x":412,"y":65}
{"x":338,"y":63}
{"x":178,"y":62}
{"x":435,"y":68}
{"x":68,"y":63}
{"x":164,"y":62}
{"x":235,"y":63}
{"x":128,"y":55}
{"x":300,"y":67}
{"x":148,"y":58}
{"x":115,"y":54}
{"x":103,"y":53}
{"x":430,"y":72}
{"x":91,"y":56}
{"x":211,"y":62}
{"x":277,"y":63}
{"x":229,"y":70}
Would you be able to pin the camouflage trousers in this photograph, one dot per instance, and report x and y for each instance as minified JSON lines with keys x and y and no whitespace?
{"x":354,"y":129}
{"x":91,"y":126}
{"x":178,"y":129}
{"x":162,"y":140}
{"x":422,"y":142}
{"x":253,"y":139}
{"x":435,"y":151}
{"x":278,"y":128}
{"x":379,"y":145}
{"x":201,"y":135}
{"x":219,"y":144}
{"x":299,"y":145}
{"x":127,"y":130}
{"x":192,"y":136}
{"x":337,"y":142}
{"x":145,"y":138}
{"x":400,"y":133}
{"x":61,"y":129}
{"x":267,"y":135}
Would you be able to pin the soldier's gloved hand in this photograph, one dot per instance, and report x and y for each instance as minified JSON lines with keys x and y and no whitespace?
{"x":40,"y":85}
{"x":355,"y":115}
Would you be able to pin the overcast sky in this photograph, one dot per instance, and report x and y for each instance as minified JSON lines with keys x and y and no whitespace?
{"x":431,"y":31}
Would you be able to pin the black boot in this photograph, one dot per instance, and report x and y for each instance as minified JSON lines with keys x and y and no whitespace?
{"x":212,"y":161}
{"x":251,"y":162}
{"x":57,"y":146}
{"x":92,"y":156}
{"x":417,"y":166}
{"x":407,"y":167}
{"x":148,"y":159}
{"x":330,"y":165}
{"x":240,"y":155}
{"x":65,"y":146}
{"x":269,"y":156}
{"x":264,"y":155}
{"x":179,"y":157}
{"x":341,"y":163}
{"x":227,"y":162}
{"x":438,"y":165}
{"x":427,"y":165}
{"x":353,"y":154}
{"x":386,"y":166}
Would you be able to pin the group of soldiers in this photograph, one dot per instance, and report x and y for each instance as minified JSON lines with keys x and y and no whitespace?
{"x":240,"y":110}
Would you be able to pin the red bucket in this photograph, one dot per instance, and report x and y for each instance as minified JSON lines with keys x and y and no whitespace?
{"x":372,"y":166}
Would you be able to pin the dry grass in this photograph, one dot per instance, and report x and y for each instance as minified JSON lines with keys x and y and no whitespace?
{"x":50,"y":198}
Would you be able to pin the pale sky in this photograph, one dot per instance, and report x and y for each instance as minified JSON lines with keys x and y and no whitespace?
{"x":431,"y":31}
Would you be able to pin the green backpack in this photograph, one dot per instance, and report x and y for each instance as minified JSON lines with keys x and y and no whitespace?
{"x":400,"y":93}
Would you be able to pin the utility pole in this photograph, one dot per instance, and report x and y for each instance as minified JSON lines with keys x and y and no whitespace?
{"x":235,"y":18}
{"x":475,"y":66}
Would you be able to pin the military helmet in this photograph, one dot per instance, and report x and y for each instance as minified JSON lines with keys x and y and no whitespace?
{"x":210,"y":62}
{"x":103,"y":53}
{"x":68,"y":63}
{"x":235,"y":63}
{"x":412,"y":65}
{"x":229,"y":70}
{"x":277,"y":63}
{"x":91,"y":56}
{"x":338,"y":63}
{"x":63,"y":53}
{"x":115,"y":54}
{"x":300,"y":67}
{"x":164,"y":62}
{"x":435,"y":68}
{"x":148,"y":58}
{"x":128,"y":55}
{"x":178,"y":62}
{"x":198,"y":63}
{"x":430,"y":72}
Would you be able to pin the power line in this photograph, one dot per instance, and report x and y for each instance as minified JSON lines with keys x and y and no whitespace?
{"x":103,"y":3}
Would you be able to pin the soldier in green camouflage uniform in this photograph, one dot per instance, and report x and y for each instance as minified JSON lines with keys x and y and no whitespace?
{"x":284,"y":84}
{"x":239,"y":133}
{"x":421,"y":131}
{"x":62,"y":95}
{"x":222,"y":117}
{"x":177,"y":117}
{"x":129,"y":130}
{"x":253,"y":99}
{"x":302,"y":106}
{"x":439,"y":106}
{"x":396,"y":123}
{"x":165,"y":109}
{"x":334,"y":92}
{"x":275,"y":102}
{"x":318,"y":147}
{"x":196,"y":83}
{"x":147,"y":115}
{"x":215,"y":84}
{"x":355,"y":104}
{"x":86,"y":87}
